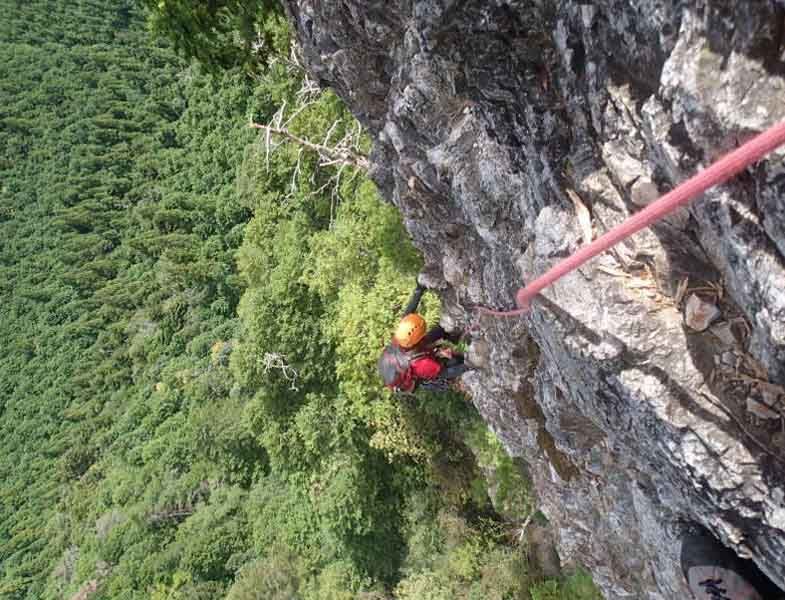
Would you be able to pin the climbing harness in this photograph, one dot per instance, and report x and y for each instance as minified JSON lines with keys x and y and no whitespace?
{"x":719,"y":172}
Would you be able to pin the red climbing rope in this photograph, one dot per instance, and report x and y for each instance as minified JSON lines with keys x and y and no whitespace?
{"x":717,"y":173}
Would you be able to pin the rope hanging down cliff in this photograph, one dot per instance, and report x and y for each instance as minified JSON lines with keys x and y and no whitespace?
{"x":719,"y":172}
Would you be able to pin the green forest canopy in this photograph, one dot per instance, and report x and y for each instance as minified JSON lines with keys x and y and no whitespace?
{"x":188,"y":403}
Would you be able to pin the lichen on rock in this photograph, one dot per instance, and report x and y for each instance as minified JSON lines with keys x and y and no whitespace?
{"x":484,"y":114}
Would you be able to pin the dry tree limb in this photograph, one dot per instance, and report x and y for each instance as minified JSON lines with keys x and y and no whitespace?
{"x":520,"y":531}
{"x":339,"y":154}
{"x":296,"y":172}
{"x":294,"y":64}
{"x":328,"y":156}
{"x":274,"y":360}
{"x":583,"y":215}
{"x":169,"y":514}
{"x":681,"y":291}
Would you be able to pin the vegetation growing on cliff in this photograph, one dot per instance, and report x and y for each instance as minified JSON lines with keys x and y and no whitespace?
{"x":188,"y":404}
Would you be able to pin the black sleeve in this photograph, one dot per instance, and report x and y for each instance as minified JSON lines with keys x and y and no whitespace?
{"x":414,"y":301}
{"x":435,"y":385}
{"x":438,"y":333}
{"x":434,"y":335}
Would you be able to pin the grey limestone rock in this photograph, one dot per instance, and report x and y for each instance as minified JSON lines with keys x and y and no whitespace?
{"x":484,"y":114}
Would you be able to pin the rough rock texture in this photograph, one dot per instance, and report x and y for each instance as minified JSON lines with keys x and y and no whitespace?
{"x":485,"y":113}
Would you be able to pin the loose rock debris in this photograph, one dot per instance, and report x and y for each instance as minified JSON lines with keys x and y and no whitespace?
{"x":699,"y":314}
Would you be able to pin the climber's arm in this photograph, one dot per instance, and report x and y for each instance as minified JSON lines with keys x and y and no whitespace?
{"x":414,"y":301}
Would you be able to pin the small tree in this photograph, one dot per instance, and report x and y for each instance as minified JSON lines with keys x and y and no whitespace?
{"x":220,"y":34}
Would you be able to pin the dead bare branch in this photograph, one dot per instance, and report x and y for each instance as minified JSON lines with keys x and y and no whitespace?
{"x":175,"y":514}
{"x":335,"y":155}
{"x":274,"y":360}
{"x":338,"y":154}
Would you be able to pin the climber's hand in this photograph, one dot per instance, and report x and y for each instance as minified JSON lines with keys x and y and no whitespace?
{"x":445,"y":352}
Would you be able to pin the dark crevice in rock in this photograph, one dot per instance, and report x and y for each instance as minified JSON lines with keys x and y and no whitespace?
{"x":756,"y":31}
{"x":529,"y":409}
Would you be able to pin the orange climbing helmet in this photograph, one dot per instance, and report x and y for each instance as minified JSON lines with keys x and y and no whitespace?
{"x":410,"y":331}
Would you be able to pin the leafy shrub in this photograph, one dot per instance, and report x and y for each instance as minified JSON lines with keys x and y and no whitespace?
{"x":577,"y":586}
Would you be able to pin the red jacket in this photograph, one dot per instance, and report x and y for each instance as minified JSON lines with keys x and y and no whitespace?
{"x":424,"y":367}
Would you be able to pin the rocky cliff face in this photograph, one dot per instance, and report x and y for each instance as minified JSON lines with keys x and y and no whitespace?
{"x":507,"y":133}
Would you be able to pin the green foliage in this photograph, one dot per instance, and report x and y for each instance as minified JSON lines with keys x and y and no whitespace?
{"x":365,"y":246}
{"x":577,"y":586}
{"x":278,"y":577}
{"x":119,"y":228}
{"x":509,"y":488}
{"x":219,"y":34}
{"x":456,"y":559}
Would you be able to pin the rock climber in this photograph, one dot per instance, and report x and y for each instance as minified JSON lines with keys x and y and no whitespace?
{"x":414,"y":359}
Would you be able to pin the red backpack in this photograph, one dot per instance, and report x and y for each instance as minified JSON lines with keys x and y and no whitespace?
{"x":395,"y":367}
